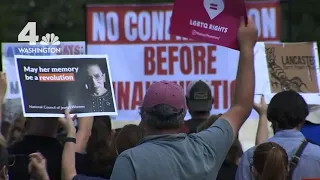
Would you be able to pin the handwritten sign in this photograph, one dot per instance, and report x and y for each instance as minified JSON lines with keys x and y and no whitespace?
{"x":292,"y":66}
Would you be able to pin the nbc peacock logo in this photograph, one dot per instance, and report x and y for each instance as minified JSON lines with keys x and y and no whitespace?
{"x":50,"y":39}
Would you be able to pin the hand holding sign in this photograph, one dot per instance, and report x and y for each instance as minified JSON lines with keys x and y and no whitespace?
{"x":3,"y":86}
{"x":67,"y":123}
{"x":247,"y":33}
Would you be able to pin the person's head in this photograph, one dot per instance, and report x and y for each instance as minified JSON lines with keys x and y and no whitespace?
{"x":163,"y":108}
{"x":128,"y":137}
{"x":3,"y":159}
{"x":17,"y":130}
{"x":235,"y":151}
{"x":287,"y":110}
{"x":96,"y":77}
{"x":270,"y":162}
{"x":43,"y":126}
{"x":199,"y":99}
{"x":99,"y":147}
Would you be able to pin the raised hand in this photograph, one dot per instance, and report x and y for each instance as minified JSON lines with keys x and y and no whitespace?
{"x":261,"y":107}
{"x":38,"y":166}
{"x":3,"y":86}
{"x":247,"y":33}
{"x":67,"y":122}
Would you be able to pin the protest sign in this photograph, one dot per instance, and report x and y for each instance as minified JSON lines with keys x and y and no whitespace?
{"x":289,"y":66}
{"x":51,"y":84}
{"x":11,"y":49}
{"x":212,"y":21}
{"x":137,"y":40}
{"x":292,"y":67}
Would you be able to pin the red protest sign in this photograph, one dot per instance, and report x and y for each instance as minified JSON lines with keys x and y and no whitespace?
{"x":212,"y":21}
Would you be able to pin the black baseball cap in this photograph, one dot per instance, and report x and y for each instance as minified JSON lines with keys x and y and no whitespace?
{"x":199,"y":96}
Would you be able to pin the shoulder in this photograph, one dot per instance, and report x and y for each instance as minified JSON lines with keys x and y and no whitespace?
{"x":247,"y":155}
{"x":82,"y":177}
{"x":312,"y":152}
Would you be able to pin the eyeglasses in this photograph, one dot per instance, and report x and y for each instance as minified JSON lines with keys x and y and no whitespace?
{"x":97,"y":77}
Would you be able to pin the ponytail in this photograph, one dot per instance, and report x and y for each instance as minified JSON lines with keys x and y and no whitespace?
{"x":275,"y":167}
{"x":271,"y":162}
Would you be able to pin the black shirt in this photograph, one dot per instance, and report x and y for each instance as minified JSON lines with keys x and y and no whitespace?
{"x":88,"y":170}
{"x":227,"y":171}
{"x":193,"y":124}
{"x":49,"y":147}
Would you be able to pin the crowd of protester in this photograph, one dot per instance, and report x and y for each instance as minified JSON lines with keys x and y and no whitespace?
{"x":163,"y":145}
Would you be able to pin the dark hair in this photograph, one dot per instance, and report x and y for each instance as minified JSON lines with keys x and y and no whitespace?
{"x":287,"y":110}
{"x":18,"y":125}
{"x":270,"y":161}
{"x":99,"y":145}
{"x":235,"y":151}
{"x":163,"y":116}
{"x":128,"y":137}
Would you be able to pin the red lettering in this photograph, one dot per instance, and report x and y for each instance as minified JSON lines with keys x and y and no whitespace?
{"x":149,"y":61}
{"x":232,"y":86}
{"x":172,"y":58}
{"x":161,"y":60}
{"x":70,"y":49}
{"x":225,"y":95}
{"x":216,"y":85}
{"x":123,"y":95}
{"x":185,"y":62}
{"x":211,"y":60}
{"x":137,"y":94}
{"x":199,"y":57}
{"x":77,"y":49}
{"x":148,"y":84}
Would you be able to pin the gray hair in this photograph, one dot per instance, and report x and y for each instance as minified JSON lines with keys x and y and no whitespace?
{"x":163,"y":116}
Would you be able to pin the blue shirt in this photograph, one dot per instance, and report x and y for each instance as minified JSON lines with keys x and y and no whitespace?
{"x":312,"y":132}
{"x":176,"y":156}
{"x":82,"y":177}
{"x":290,"y":140}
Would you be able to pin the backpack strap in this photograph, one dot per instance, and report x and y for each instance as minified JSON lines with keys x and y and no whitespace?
{"x":296,"y":158}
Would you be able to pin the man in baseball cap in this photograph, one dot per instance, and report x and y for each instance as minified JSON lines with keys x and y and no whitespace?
{"x":168,"y":154}
{"x":199,"y":102}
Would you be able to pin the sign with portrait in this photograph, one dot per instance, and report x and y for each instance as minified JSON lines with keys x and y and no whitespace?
{"x":51,"y":84}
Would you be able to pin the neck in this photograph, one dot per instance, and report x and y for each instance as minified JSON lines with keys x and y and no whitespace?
{"x":161,"y":132}
{"x":100,"y":91}
{"x":200,"y":116}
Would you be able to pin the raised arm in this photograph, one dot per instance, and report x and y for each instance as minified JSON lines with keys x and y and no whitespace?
{"x":245,"y":81}
{"x":262,"y":132}
{"x":3,"y":89}
{"x":83,"y":134}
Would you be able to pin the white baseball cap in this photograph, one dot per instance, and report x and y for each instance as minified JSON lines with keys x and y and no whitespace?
{"x":314,"y":114}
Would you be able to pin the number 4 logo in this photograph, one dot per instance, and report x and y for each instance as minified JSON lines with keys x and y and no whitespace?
{"x":32,"y":38}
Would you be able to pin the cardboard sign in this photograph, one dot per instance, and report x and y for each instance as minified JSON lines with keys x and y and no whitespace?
{"x":292,"y":66}
{"x":212,"y":21}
